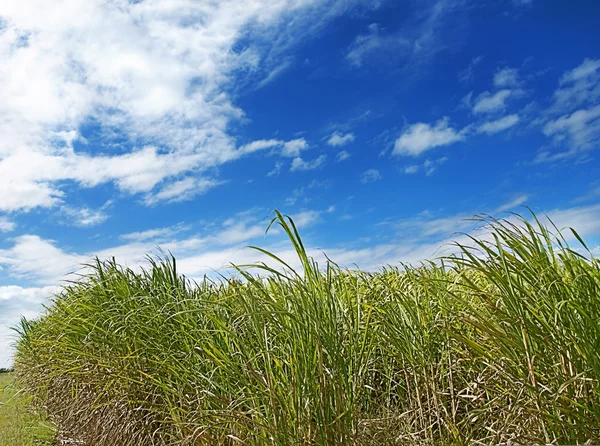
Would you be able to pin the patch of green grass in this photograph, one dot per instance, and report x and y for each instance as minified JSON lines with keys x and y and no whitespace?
{"x":498,"y":343}
{"x":19,"y":425}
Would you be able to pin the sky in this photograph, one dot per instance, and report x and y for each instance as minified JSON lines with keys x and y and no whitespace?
{"x":380,"y":126}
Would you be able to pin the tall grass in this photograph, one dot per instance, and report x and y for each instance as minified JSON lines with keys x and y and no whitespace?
{"x":499,"y":342}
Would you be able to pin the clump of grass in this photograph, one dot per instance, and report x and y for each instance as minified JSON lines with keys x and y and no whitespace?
{"x":494,"y":344}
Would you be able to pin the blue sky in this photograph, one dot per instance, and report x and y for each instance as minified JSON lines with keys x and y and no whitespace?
{"x":378,"y":125}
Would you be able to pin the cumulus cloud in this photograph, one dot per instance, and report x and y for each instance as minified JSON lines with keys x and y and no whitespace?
{"x":370,"y":176}
{"x":137,"y":70}
{"x":338,"y":139}
{"x":506,"y":122}
{"x":421,"y":137}
{"x":293,"y":148}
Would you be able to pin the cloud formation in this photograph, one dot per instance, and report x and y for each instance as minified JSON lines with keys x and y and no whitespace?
{"x":421,"y":137}
{"x":137,"y":71}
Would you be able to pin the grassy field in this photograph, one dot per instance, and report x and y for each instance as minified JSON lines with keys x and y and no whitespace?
{"x":497,"y":343}
{"x":19,"y":426}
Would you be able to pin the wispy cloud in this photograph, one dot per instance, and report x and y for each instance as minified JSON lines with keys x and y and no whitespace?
{"x":6,"y":225}
{"x":467,"y":75}
{"x":275,"y":73}
{"x":573,"y":120}
{"x":498,"y":125}
{"x":182,"y":190}
{"x":428,"y":166}
{"x":155,"y":234}
{"x":84,"y":216}
{"x":298,"y":164}
{"x":512,"y":204}
{"x":578,"y":87}
{"x":506,"y":78}
{"x":342,"y":156}
{"x":276,"y":170}
{"x":488,"y":102}
{"x":428,"y":30}
{"x":370,"y":176}
{"x":374,"y":42}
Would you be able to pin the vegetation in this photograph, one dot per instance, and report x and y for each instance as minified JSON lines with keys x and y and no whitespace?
{"x":499,"y":343}
{"x":20,"y":426}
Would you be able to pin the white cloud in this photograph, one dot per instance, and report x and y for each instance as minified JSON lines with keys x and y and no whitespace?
{"x":40,"y":259}
{"x":182,"y":190}
{"x":298,"y":164}
{"x":499,"y":125}
{"x":375,"y":41}
{"x":369,"y":176}
{"x":239,"y":232}
{"x":338,"y":139}
{"x":288,"y":149}
{"x":153,"y":234}
{"x":517,"y":201}
{"x":409,"y":170}
{"x":573,"y":120}
{"x":260,"y":144}
{"x":426,"y":31}
{"x":342,"y":156}
{"x":276,"y":170}
{"x":428,"y":166}
{"x":487,"y":102}
{"x":275,"y":73}
{"x":16,"y":301}
{"x":301,"y":193}
{"x":85,"y":216}
{"x":139,"y":71}
{"x":421,"y":137}
{"x":506,"y":77}
{"x":306,"y":218}
{"x":6,"y":225}
{"x":580,"y":130}
{"x":467,"y":74}
{"x":578,"y":87}
{"x":293,"y":148}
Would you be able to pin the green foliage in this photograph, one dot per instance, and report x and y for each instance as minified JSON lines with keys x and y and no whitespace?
{"x":19,"y":425}
{"x":496,"y":344}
